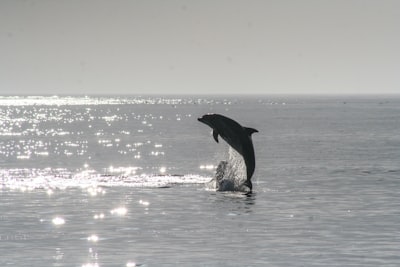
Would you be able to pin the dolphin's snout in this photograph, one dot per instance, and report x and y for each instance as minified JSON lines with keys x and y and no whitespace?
{"x":202,"y":119}
{"x":206,"y":118}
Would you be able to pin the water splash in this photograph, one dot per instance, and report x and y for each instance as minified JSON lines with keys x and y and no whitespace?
{"x":237,"y":166}
{"x":230,"y":174}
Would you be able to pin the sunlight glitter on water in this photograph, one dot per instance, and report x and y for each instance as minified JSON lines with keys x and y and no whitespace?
{"x":98,"y":216}
{"x":92,"y":181}
{"x":91,"y":265}
{"x":144,"y":203}
{"x":208,"y":167}
{"x":120,"y":211}
{"x":86,"y":100}
{"x":94,"y":191}
{"x":163,"y":170}
{"x":123,"y":170}
{"x":58,"y":221}
{"x":93,"y":238}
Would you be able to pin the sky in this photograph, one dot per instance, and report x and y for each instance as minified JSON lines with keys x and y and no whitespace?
{"x":199,"y":47}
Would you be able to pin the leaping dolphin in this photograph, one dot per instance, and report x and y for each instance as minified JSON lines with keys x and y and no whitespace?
{"x":237,"y":136}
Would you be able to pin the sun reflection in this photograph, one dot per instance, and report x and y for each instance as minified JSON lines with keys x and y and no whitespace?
{"x":94,"y":191}
{"x":59,"y":254}
{"x":123,"y":170}
{"x":98,"y":216}
{"x":91,"y":265}
{"x":52,"y":180}
{"x":207,"y":167}
{"x":121,"y":211}
{"x":163,"y":170}
{"x":58,"y":221}
{"x":144,"y":203}
{"x":93,"y":238}
{"x":23,"y":157}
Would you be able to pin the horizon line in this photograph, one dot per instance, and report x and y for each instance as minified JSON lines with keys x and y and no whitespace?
{"x":200,"y":94}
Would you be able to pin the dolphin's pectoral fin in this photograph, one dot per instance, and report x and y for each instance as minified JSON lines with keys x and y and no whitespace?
{"x":250,"y":131}
{"x":215,"y":135}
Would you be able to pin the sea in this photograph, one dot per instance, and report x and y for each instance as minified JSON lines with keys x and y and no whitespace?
{"x":96,"y":181}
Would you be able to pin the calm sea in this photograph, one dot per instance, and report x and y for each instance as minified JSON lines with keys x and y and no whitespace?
{"x":97,"y":181}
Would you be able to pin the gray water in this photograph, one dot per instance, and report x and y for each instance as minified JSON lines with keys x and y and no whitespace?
{"x":119,"y":181}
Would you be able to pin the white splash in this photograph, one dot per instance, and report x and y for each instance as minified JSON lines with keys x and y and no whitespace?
{"x":230,"y":174}
{"x":237,"y":166}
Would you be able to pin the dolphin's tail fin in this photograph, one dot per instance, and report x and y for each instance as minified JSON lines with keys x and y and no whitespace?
{"x":250,"y":131}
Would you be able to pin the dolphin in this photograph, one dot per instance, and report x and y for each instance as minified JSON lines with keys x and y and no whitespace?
{"x":237,"y":136}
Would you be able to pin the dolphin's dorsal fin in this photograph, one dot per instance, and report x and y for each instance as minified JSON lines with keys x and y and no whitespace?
{"x":250,"y":131}
{"x":215,"y":135}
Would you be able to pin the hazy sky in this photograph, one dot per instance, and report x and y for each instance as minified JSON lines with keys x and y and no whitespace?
{"x":203,"y":46}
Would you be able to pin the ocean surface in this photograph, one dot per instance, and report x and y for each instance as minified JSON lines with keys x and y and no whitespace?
{"x":96,"y":181}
